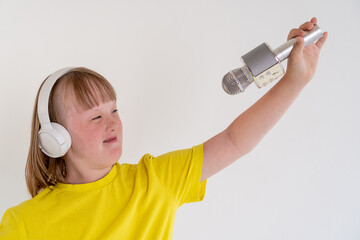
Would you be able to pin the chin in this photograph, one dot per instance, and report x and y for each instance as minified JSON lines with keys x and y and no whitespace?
{"x":116,"y":156}
{"x":112,"y":156}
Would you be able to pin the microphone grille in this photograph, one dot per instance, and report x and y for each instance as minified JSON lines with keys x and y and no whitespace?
{"x":235,"y":81}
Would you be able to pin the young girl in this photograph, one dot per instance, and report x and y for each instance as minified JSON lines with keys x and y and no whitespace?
{"x":84,"y":193}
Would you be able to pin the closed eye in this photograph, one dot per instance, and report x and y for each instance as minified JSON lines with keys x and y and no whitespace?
{"x":97,"y":117}
{"x":115,"y":111}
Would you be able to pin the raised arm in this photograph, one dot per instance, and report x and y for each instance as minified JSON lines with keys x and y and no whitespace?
{"x":246,"y":131}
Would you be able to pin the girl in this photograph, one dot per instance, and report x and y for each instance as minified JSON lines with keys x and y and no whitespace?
{"x":87,"y":194}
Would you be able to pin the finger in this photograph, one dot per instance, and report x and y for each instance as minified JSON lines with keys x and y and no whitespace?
{"x":296,"y":32}
{"x":307,"y":26}
{"x":321,"y":41}
{"x":314,"y":20}
{"x":298,"y":47}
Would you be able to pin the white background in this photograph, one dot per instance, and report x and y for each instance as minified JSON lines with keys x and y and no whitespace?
{"x":166,"y":60}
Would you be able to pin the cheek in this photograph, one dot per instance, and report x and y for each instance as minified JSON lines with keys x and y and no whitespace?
{"x":86,"y":138}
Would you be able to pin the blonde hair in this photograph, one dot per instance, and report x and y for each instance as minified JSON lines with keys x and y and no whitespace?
{"x":81,"y":88}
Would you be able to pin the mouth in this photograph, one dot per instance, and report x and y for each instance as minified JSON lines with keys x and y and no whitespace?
{"x":110,"y":140}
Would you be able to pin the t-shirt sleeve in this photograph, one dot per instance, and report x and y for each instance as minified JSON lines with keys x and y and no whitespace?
{"x":180,"y":172}
{"x":9,"y":227}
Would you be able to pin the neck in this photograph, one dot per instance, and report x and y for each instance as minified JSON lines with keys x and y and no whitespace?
{"x":79,"y":175}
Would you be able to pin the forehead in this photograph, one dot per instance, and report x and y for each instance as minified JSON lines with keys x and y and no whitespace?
{"x":86,"y":93}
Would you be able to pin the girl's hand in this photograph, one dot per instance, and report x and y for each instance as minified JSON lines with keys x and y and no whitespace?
{"x":302,"y":61}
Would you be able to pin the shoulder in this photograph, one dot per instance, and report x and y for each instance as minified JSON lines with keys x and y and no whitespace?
{"x":15,"y":217}
{"x":27,"y":206}
{"x":173,"y":163}
{"x":195,"y":152}
{"x":149,"y":159}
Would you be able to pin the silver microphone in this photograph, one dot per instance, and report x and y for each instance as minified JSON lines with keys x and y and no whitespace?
{"x":262,"y":65}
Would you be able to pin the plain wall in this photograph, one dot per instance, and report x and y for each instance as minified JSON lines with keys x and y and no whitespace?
{"x":166,"y":60}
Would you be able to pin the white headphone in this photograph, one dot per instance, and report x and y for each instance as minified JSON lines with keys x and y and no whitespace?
{"x":54,"y":139}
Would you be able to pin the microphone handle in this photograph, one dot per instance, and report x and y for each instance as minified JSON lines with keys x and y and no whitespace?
{"x":284,"y":50}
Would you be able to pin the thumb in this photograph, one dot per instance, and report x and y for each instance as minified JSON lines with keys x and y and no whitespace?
{"x":298,"y":47}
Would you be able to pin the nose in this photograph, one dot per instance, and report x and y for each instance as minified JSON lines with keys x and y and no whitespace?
{"x":111,"y":124}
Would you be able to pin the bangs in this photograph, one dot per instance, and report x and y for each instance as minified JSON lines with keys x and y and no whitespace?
{"x":85,"y":89}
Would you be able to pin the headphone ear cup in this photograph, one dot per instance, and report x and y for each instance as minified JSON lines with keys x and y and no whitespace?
{"x":54,"y":141}
{"x":58,"y":127}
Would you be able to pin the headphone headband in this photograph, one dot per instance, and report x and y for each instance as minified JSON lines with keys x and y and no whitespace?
{"x":43,"y":101}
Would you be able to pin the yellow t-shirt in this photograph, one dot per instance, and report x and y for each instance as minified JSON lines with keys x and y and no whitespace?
{"x":133,"y":201}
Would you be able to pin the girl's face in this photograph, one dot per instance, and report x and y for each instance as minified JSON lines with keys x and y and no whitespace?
{"x":96,"y":136}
